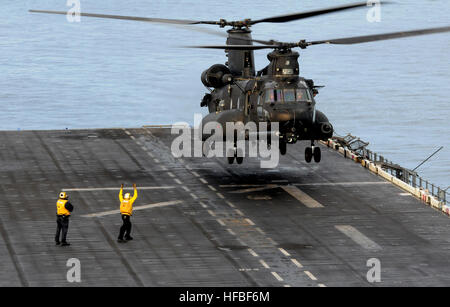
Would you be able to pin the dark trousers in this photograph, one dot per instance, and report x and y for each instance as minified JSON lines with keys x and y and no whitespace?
{"x":62,"y":223}
{"x":126,"y":227}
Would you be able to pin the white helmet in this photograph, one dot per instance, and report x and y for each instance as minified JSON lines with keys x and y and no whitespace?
{"x":127,"y":196}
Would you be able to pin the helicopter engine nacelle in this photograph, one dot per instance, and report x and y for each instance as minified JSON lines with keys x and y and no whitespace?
{"x":217,"y":76}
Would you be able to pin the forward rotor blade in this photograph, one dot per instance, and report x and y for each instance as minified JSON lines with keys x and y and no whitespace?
{"x":379,"y":37}
{"x":302,"y":15}
{"x":144,"y":19}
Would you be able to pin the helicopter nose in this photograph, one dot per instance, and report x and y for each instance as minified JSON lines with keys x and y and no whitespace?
{"x":282,"y":116}
{"x":292,"y":115}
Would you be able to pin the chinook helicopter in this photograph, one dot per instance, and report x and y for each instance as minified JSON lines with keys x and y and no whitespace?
{"x":240,"y":94}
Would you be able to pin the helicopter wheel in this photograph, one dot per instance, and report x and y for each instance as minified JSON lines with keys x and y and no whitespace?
{"x":283,"y":147}
{"x":317,"y":154}
{"x":230,"y":160}
{"x":308,"y":154}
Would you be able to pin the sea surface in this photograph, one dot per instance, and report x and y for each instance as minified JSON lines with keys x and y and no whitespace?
{"x":112,"y":73}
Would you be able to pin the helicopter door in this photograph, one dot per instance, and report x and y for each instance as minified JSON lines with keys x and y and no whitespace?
{"x":259,"y":109}
{"x":247,"y":104}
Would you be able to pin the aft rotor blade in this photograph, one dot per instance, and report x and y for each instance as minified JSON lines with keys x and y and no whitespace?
{"x":379,"y":37}
{"x":302,"y":15}
{"x":237,"y":47}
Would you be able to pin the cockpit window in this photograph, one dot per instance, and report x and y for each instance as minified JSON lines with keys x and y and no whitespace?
{"x":270,"y":96}
{"x":303,"y":95}
{"x":287,"y":95}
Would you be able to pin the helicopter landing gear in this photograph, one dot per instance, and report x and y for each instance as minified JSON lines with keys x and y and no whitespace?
{"x":308,"y":154}
{"x":283,"y":147}
{"x":313,"y":152}
{"x":317,"y":154}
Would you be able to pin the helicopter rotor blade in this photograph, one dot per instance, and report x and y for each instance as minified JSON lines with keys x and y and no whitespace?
{"x":302,"y":15}
{"x":222,"y":22}
{"x":236,"y":47}
{"x":379,"y":37}
{"x":144,"y":19}
{"x":183,"y":24}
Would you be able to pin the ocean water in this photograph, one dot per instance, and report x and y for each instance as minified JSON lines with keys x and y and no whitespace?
{"x":111,"y":73}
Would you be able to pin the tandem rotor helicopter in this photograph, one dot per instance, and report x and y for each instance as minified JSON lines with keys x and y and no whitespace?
{"x":277,"y":93}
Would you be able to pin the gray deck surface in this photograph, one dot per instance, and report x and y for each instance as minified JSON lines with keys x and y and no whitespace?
{"x":229,"y":228}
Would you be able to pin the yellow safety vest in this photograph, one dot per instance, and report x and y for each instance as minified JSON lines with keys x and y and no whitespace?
{"x":126,"y":205}
{"x":61,"y":207}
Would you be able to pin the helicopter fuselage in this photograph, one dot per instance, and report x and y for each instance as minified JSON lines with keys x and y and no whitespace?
{"x":287,"y":101}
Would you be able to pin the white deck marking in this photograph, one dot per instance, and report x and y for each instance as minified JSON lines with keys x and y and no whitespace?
{"x":231,"y":204}
{"x":220,"y":195}
{"x":137,"y":208}
{"x":116,"y":189}
{"x":358,"y":237}
{"x":132,"y":137}
{"x":310,"y":275}
{"x":212,"y":188}
{"x":240,"y":185}
{"x":193,"y":196}
{"x":186,"y":188}
{"x":252,"y":252}
{"x":267,"y":187}
{"x":203,"y":205}
{"x":239,"y":212}
{"x":405,"y":194}
{"x":250,"y":222}
{"x":302,"y":197}
{"x":231,"y":232}
{"x":171,"y":174}
{"x":298,"y":264}
{"x":220,"y":222}
{"x":177,"y":181}
{"x":211,"y":213}
{"x":264,"y":264}
{"x":196,"y":174}
{"x":203,"y":181}
{"x":278,"y":277}
{"x":156,"y":160}
{"x":351,"y":183}
{"x":282,"y":250}
{"x":259,"y":230}
{"x":322,"y":286}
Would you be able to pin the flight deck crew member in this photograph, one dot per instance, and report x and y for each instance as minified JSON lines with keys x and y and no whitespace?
{"x":63,"y":211}
{"x":126,"y":210}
